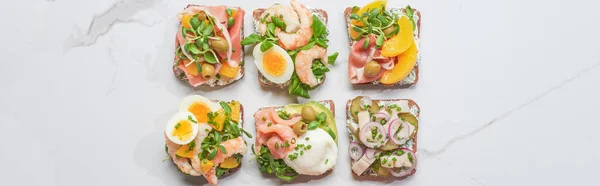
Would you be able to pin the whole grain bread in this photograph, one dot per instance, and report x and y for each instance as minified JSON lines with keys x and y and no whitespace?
{"x":234,"y":170}
{"x":219,"y":82}
{"x":264,"y":82}
{"x":347,"y":13}
{"x":323,"y":102}
{"x":349,"y":119}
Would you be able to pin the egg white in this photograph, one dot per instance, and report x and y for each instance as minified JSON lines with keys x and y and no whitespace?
{"x":174,"y":120}
{"x":189,"y":100}
{"x":258,"y":60}
{"x":312,"y":162}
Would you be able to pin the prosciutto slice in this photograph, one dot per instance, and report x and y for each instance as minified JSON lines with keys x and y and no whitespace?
{"x":359,"y":56}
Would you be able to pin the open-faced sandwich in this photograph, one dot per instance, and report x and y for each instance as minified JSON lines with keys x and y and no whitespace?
{"x":208,"y":50}
{"x":384,"y":44}
{"x":205,"y":137}
{"x":296,"y":139}
{"x":291,"y":47}
{"x":383,"y":137}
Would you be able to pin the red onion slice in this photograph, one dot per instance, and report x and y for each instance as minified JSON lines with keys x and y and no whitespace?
{"x":370,"y":153}
{"x":355,"y":151}
{"x":403,"y":171}
{"x":381,"y":115}
{"x":366,"y":135}
{"x":399,"y":137}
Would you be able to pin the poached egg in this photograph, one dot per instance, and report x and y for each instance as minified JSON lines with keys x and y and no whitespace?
{"x":316,"y":153}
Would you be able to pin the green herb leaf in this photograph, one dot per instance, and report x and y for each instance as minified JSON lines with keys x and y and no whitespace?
{"x":266,"y":45}
{"x":198,"y":67}
{"x":230,"y":22}
{"x":355,"y":9}
{"x":354,"y":16}
{"x":374,"y":12}
{"x":251,"y":39}
{"x":313,"y":125}
{"x":409,"y":11}
{"x":283,"y":115}
{"x":318,"y":27}
{"x":194,"y":22}
{"x":226,"y":108}
{"x":322,"y":43}
{"x":366,"y":44}
{"x":192,"y":119}
{"x":192,"y":48}
{"x":379,"y":41}
{"x":228,"y":12}
{"x":212,"y":155}
{"x":208,"y":29}
{"x":321,"y":117}
{"x":271,"y":28}
{"x":210,"y":57}
{"x":278,"y":22}
{"x":223,"y":150}
{"x":331,"y":59}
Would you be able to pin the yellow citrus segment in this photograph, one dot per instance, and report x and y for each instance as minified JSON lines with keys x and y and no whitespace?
{"x":401,"y":41}
{"x":229,"y":163}
{"x":207,"y":165}
{"x":185,"y":152}
{"x":219,"y":120}
{"x":185,"y":20}
{"x":353,"y":33}
{"x":405,"y":62}
{"x":368,"y":8}
{"x":235,"y":110}
{"x":191,"y":69}
{"x":228,"y":71}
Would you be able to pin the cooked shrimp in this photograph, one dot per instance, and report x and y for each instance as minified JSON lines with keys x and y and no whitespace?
{"x":182,"y":163}
{"x":304,"y":60}
{"x":232,"y":146}
{"x":203,"y":130}
{"x":289,"y":17}
{"x":291,"y":41}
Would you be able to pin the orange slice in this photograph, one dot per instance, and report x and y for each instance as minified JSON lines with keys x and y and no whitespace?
{"x":404,"y":64}
{"x":401,"y":41}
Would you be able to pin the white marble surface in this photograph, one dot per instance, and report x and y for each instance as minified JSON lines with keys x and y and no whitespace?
{"x":508,"y":91}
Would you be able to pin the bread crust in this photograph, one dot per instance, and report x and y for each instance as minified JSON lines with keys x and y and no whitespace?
{"x":261,"y":79}
{"x":177,"y":72}
{"x":411,"y":103}
{"x":399,"y":84}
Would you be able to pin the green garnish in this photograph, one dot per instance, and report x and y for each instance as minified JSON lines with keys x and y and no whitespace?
{"x":178,"y":125}
{"x":192,"y":119}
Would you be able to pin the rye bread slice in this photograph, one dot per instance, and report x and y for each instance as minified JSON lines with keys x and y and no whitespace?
{"x":414,"y":109}
{"x":217,"y":82}
{"x":234,"y":170}
{"x":264,"y":82}
{"x":415,"y":70}
{"x":331,"y":106}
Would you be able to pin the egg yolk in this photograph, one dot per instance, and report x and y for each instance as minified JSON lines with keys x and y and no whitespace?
{"x":200,"y":110}
{"x":274,"y":63}
{"x":183,"y":130}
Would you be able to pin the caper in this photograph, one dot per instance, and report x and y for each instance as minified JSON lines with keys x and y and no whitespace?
{"x":201,"y":16}
{"x":219,"y":44}
{"x":208,"y":71}
{"x":389,"y":30}
{"x":308,"y":113}
{"x":300,"y":127}
{"x":372,"y":68}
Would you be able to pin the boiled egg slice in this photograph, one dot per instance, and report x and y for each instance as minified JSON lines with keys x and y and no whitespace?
{"x":274,"y":64}
{"x":199,"y":106}
{"x":315,"y":155}
{"x":182,"y":128}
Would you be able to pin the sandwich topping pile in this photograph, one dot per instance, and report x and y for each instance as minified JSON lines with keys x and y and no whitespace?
{"x":384,"y":44}
{"x":383,"y":137}
{"x":205,"y":137}
{"x":296,"y":139}
{"x":208,"y":45}
{"x":291,"y":47}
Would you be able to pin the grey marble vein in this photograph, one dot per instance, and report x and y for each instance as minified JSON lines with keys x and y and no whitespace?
{"x":453,"y":140}
{"x":120,"y":12}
